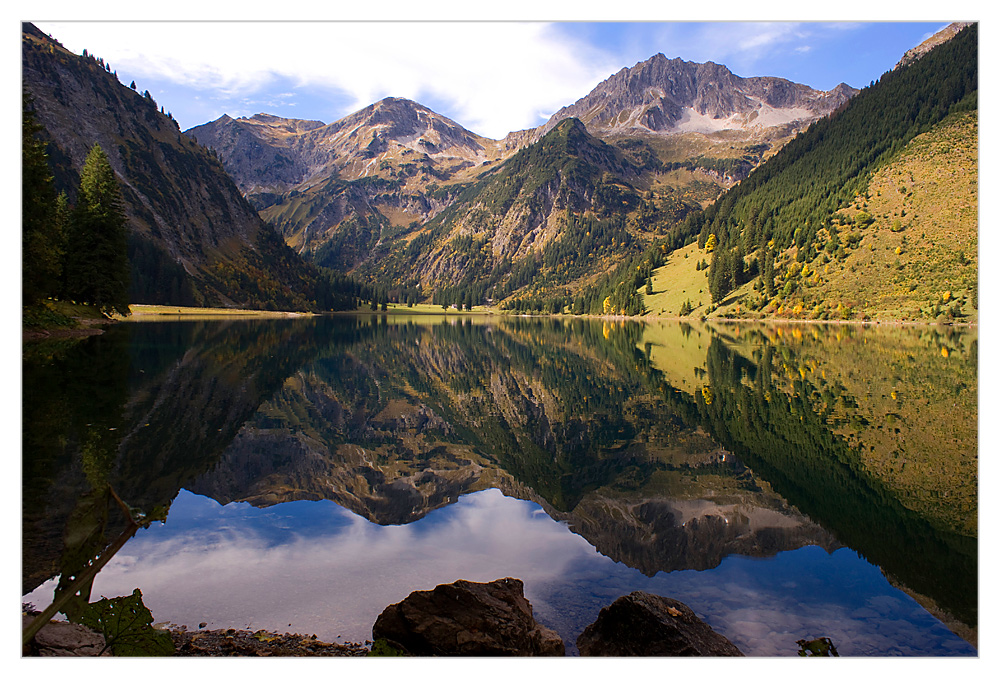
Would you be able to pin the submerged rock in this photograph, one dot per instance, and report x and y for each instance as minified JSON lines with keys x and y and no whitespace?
{"x":643,"y":624}
{"x":469,"y":619}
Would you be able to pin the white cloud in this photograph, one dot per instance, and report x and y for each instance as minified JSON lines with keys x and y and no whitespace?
{"x":334,"y":581}
{"x":757,"y":37}
{"x":493,"y":77}
{"x":744,"y":47}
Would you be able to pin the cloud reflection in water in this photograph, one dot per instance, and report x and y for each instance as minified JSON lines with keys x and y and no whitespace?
{"x":322,"y":569}
{"x":316,"y":568}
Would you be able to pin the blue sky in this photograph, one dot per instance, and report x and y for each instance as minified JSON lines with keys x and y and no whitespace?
{"x":492,"y":77}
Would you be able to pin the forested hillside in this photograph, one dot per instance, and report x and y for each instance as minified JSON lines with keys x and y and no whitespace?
{"x":792,"y":201}
{"x":599,"y":227}
{"x":414,"y":208}
{"x":534,"y":232}
{"x":192,"y":238}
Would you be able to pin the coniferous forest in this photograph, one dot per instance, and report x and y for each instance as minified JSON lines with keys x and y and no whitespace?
{"x":795,"y":194}
{"x":79,"y":254}
{"x":571,"y":223}
{"x":799,"y":488}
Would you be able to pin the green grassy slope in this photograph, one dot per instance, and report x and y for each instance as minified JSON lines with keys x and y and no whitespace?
{"x":904,"y":249}
{"x":679,"y":281}
{"x":918,"y":259}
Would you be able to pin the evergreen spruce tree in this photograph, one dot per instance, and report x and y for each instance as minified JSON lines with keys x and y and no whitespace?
{"x":97,"y":268}
{"x":41,"y":228}
{"x":769,"y":274}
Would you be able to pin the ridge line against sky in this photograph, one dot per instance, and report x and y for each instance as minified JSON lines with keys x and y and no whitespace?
{"x":858,"y":10}
{"x":491,"y":77}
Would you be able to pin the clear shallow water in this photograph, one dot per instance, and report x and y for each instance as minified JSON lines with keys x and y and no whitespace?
{"x":410,"y":434}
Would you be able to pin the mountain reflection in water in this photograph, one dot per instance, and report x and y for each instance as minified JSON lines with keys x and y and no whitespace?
{"x":676,"y":451}
{"x":315,"y":568}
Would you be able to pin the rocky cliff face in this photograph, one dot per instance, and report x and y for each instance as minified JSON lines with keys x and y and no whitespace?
{"x":256,"y":151}
{"x":268,"y":154}
{"x":942,"y":36}
{"x":670,"y":96}
{"x":178,"y":198}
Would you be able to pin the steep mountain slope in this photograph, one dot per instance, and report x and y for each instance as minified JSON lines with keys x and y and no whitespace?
{"x":918,"y":257}
{"x":673,"y":96}
{"x":343,"y":194}
{"x":793,"y":215}
{"x":194,"y":238}
{"x":550,"y":219}
{"x":942,"y":36}
{"x":906,"y":248}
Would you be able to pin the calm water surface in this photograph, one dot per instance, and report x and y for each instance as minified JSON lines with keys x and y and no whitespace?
{"x":786,"y":482}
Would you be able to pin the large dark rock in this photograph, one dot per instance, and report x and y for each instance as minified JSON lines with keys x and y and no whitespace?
{"x":649,"y":625}
{"x":469,"y":619}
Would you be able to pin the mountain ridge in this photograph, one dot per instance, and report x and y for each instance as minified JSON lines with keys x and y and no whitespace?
{"x":388,"y":129}
{"x":939,"y":38}
{"x":395,"y":168}
{"x":398,"y":194}
{"x":663,"y":95}
{"x":192,"y":230}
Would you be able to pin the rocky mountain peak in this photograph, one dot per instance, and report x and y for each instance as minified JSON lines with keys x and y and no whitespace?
{"x":668,"y":96}
{"x":410,"y":125}
{"x":283,"y":125}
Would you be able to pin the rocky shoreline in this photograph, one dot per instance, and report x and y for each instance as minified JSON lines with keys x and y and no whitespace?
{"x":468,"y":619}
{"x":259,"y":644}
{"x":66,"y":639}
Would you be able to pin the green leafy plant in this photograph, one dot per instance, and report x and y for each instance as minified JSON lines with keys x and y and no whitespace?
{"x":127,"y":626}
{"x":79,"y":568}
{"x":383,"y":648}
{"x":820,"y":647}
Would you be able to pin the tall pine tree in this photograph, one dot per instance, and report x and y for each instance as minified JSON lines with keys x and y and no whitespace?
{"x":97,"y":268}
{"x":41,"y":224}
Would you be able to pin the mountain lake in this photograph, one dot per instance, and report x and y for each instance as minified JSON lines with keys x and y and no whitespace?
{"x":785,"y":481}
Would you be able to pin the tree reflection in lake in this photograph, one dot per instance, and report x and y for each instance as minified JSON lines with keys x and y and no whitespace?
{"x":665,"y":465}
{"x":822,"y":416}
